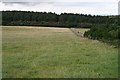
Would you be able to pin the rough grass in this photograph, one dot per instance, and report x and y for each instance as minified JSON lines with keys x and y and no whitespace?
{"x":55,"y":53}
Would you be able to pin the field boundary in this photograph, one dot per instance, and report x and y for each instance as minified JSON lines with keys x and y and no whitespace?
{"x":76,"y":32}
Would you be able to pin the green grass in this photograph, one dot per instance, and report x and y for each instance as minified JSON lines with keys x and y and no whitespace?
{"x":55,"y":53}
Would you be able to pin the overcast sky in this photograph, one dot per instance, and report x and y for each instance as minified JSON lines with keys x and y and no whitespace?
{"x":94,"y":7}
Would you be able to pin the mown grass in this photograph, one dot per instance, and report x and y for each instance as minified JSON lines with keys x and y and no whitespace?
{"x":55,"y":53}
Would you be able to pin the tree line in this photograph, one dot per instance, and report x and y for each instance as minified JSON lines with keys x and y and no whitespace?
{"x":26,"y":18}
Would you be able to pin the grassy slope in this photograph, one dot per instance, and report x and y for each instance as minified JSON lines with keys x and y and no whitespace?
{"x":55,"y":53}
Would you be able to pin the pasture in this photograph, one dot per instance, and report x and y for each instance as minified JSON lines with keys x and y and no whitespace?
{"x":40,"y":52}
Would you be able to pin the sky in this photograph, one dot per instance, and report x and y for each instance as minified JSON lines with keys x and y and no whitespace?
{"x":94,"y":7}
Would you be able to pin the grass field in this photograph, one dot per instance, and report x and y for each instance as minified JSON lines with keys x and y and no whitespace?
{"x":55,"y":53}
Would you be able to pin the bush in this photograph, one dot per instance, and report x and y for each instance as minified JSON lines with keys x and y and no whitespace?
{"x":106,"y":33}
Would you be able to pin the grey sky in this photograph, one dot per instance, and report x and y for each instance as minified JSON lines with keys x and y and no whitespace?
{"x":100,"y":7}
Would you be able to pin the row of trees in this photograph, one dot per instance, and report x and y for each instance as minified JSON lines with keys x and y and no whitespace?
{"x":52,"y":19}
